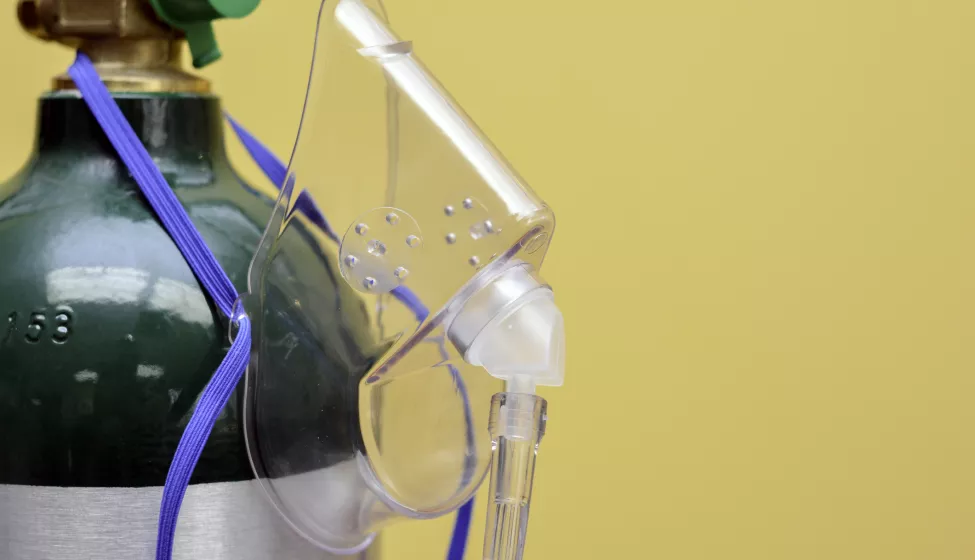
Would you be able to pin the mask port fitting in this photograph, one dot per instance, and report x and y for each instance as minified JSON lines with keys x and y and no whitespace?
{"x":512,"y":328}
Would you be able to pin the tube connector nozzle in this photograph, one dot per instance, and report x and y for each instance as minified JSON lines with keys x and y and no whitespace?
{"x":517,"y":425}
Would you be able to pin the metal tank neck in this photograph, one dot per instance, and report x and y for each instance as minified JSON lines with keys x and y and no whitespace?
{"x":144,"y":65}
{"x":133,"y":49}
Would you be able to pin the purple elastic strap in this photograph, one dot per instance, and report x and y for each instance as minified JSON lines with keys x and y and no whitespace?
{"x":208,"y":271}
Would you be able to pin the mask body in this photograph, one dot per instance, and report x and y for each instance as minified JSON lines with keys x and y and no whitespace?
{"x":423,"y":214}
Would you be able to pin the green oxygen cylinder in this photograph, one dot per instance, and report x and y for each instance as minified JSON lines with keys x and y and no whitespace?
{"x":106,"y":337}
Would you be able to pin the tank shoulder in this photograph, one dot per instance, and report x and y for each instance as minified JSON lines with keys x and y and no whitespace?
{"x":108,"y":337}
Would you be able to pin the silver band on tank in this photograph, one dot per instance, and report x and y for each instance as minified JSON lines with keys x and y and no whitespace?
{"x":218,"y":521}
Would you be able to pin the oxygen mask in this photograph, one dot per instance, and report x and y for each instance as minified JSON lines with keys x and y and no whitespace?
{"x":388,"y":396}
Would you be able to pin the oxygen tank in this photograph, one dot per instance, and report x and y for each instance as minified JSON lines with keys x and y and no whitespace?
{"x":106,"y":336}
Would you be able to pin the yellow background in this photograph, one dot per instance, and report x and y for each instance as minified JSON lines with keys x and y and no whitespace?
{"x":764,"y":254}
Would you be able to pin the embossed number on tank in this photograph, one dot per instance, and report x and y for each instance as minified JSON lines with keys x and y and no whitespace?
{"x":11,"y":328}
{"x":40,"y":324}
{"x":62,"y":324}
{"x":38,"y":320}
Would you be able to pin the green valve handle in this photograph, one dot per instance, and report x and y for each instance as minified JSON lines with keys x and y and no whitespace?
{"x":195,"y":17}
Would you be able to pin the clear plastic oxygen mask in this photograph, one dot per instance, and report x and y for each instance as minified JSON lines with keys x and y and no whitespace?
{"x":382,"y":388}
